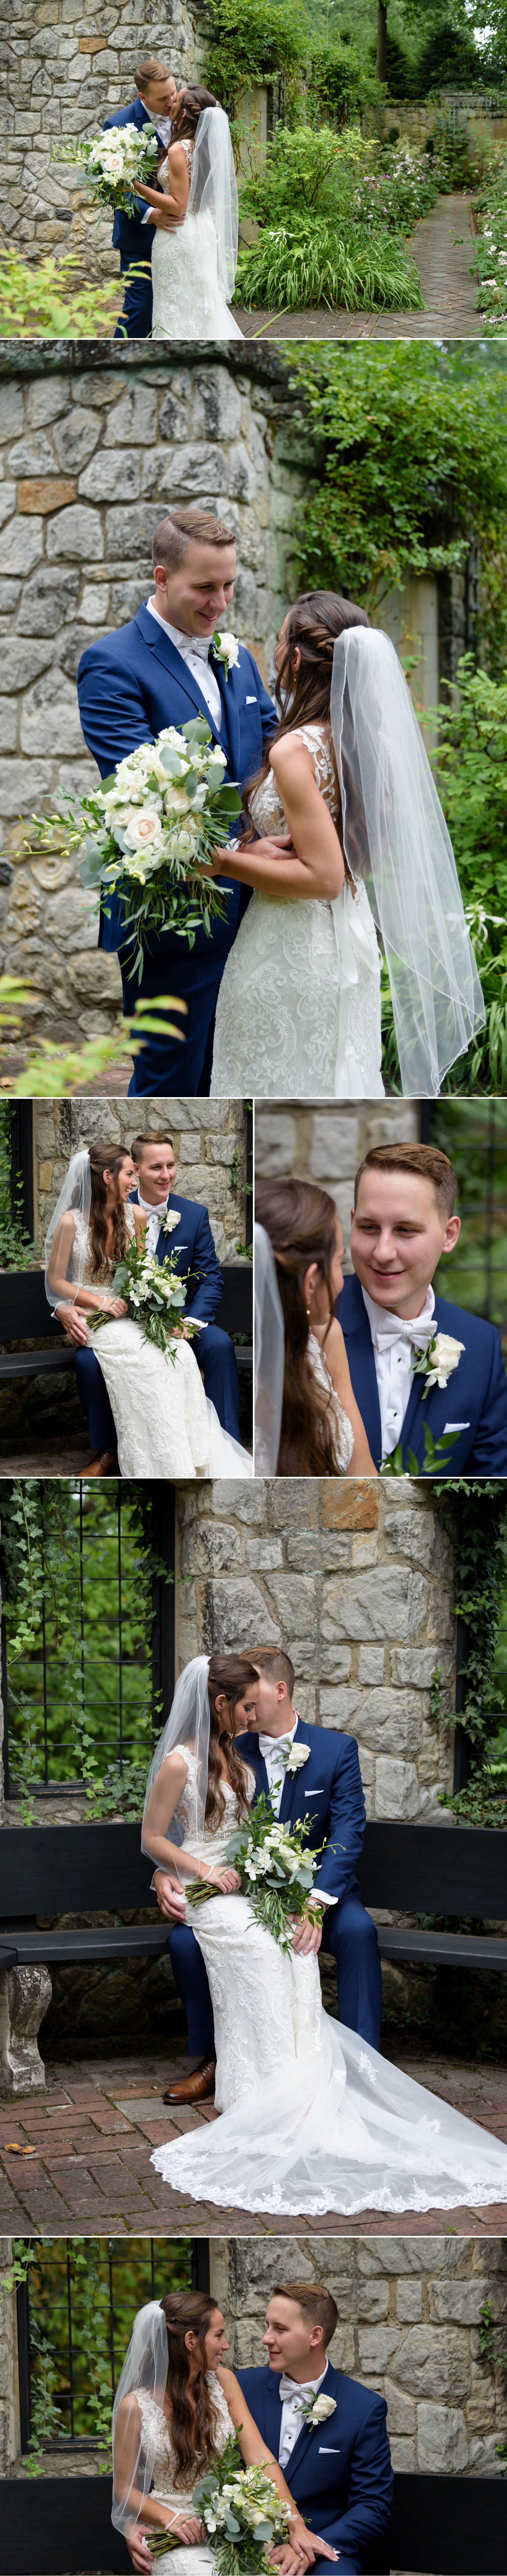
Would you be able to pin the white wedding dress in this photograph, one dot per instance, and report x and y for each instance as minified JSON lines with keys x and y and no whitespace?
{"x":166,"y":1425}
{"x":198,"y":2560}
{"x":187,"y":299}
{"x":314,"y":2121}
{"x":342,"y":1433}
{"x":298,"y":1012}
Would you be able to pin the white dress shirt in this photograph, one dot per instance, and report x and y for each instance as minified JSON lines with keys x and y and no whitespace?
{"x":163,"y":129}
{"x":397,"y":1342}
{"x":194,"y":649}
{"x":272,"y":1747}
{"x":155,"y":1216}
{"x":292,"y":2418}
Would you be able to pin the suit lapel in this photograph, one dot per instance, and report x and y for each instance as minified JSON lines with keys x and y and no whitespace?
{"x":166,"y":652}
{"x":231,"y":731}
{"x":351,"y":1311}
{"x":291,"y":1778}
{"x":249,"y":1748}
{"x":308,"y":2431}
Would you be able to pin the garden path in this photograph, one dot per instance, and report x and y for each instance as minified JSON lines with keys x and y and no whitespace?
{"x":91,"y":2133}
{"x":442,"y":248}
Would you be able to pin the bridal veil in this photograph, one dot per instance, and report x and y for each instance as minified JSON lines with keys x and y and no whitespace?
{"x":269,"y":1355}
{"x":145,"y":2367}
{"x":75,"y":1200}
{"x":395,"y":836}
{"x":213,"y":191}
{"x":188,"y":1724}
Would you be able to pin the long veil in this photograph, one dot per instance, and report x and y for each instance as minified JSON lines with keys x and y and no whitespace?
{"x":144,"y":2370}
{"x":269,"y":1355}
{"x":74,"y":1200}
{"x":187,"y":1724}
{"x":396,"y":837}
{"x":213,"y":191}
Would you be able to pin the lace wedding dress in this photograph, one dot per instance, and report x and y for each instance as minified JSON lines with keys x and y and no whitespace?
{"x":154,"y":2426}
{"x":187,"y":301}
{"x":165,"y":1423}
{"x":298,"y":1012}
{"x":313,"y":2120}
{"x":343,"y":1436}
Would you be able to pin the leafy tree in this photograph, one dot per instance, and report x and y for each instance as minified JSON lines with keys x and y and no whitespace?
{"x":252,"y":41}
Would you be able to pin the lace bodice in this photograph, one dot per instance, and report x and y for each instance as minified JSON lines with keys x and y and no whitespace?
{"x":343,"y":1436}
{"x":266,"y":805}
{"x":155,"y":2428}
{"x":88,"y":1275}
{"x":212,"y":1841}
{"x":163,"y":174}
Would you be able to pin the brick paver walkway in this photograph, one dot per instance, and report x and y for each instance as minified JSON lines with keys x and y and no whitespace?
{"x":93,"y":2128}
{"x":442,"y":246}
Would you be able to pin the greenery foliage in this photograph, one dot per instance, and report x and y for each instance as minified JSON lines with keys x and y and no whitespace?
{"x":477,"y":1526}
{"x":133,"y":2282}
{"x":53,"y":301}
{"x":491,"y":254}
{"x":307,"y":262}
{"x":17,"y":1251}
{"x":252,"y":41}
{"x":43,"y":1580}
{"x":57,"y":1073}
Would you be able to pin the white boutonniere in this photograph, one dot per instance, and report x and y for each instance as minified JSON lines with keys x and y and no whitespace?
{"x":436,"y":1364}
{"x":169,"y":1221}
{"x":297,"y":1755}
{"x":315,"y":2410}
{"x":225,"y":648}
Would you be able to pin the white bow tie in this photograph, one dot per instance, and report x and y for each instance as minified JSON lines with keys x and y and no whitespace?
{"x":398,"y":1329}
{"x":160,"y":1208}
{"x":297,"y":2388}
{"x":271,"y":1744}
{"x":200,"y":644}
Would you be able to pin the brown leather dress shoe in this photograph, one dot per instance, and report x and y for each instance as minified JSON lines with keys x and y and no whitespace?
{"x":103,"y":1463}
{"x":196,"y":2087}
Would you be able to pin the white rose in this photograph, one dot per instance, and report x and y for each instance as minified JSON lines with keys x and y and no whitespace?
{"x":299,"y":1754}
{"x":175,"y":800}
{"x":229,"y":648}
{"x":323,"y":2407}
{"x":445,"y":1357}
{"x":144,"y":830}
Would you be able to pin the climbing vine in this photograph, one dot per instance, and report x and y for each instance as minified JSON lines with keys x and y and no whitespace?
{"x":476,"y":1522}
{"x":17,"y":1250}
{"x":42,"y":2269}
{"x":41,"y":1581}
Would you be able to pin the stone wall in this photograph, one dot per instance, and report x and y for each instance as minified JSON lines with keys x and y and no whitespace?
{"x":9,"y":2401}
{"x":409,"y":2317}
{"x":326,"y":1144}
{"x":209,"y":1138}
{"x":67,"y":64}
{"x":355,"y":1581}
{"x":90,"y":454}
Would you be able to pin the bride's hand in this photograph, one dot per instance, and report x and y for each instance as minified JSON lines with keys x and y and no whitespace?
{"x":228,"y":1880}
{"x":188,"y":2529}
{"x":114,"y":1306}
{"x":270,"y":847}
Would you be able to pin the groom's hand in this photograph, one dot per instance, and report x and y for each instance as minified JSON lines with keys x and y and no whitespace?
{"x":170,"y":1896}
{"x":306,"y":1936}
{"x":139,"y":2553}
{"x":232,"y":862}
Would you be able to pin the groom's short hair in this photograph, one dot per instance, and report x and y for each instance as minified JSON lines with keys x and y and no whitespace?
{"x":275,"y":1665}
{"x":425,"y":1160}
{"x":150,"y":71}
{"x":182,"y":528}
{"x":153,"y":1136}
{"x":316,"y":2304}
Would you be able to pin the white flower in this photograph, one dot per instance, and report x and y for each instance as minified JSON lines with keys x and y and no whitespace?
{"x":299,"y":1753}
{"x":444,"y":1356}
{"x":322,"y":2408}
{"x":144,"y":830}
{"x":225,"y":648}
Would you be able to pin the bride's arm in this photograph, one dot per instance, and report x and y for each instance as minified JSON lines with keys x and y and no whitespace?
{"x":165,"y":1796}
{"x":142,"y":2508}
{"x":58,"y":1278}
{"x":315,"y":864}
{"x":171,"y":208}
{"x":335,"y":1357}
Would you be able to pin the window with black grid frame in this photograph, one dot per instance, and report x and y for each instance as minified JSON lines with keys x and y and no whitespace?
{"x":87,"y":1636}
{"x":75,"y":2312}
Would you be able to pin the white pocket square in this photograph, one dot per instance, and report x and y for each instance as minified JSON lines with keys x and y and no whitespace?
{"x":455,"y":1426}
{"x":250,"y":702}
{"x":329,"y":2450}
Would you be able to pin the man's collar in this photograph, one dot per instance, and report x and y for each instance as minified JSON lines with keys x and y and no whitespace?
{"x":184,"y":644}
{"x":385,"y":1317}
{"x":268,"y":1743}
{"x":304,"y":2387}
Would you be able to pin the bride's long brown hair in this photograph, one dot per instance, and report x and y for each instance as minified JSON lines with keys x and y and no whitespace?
{"x":232,"y":1675}
{"x":304,"y":696}
{"x":300,"y":1220}
{"x":110,"y":1158}
{"x":193,"y":2434}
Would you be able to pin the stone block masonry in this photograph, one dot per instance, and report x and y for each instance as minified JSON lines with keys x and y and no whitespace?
{"x":90,"y":456}
{"x":356,"y":1583}
{"x":409,"y":2326}
{"x":327,"y":1143}
{"x":67,"y":65}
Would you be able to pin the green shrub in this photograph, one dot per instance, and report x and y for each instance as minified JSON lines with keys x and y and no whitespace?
{"x":308,"y":262}
{"x":252,"y":41}
{"x":340,"y":175}
{"x":51,"y":301}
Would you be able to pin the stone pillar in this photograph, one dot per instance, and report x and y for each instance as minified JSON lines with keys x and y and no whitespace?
{"x":10,"y":2441}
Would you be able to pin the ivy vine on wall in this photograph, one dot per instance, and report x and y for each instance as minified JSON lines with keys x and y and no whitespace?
{"x":475,"y":1518}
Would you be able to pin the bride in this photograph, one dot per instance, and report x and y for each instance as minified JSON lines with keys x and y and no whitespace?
{"x":314,"y":2121}
{"x":196,"y":239}
{"x":298,"y":1247}
{"x":166,"y":1426}
{"x":176,"y":2406}
{"x":298,"y":1013}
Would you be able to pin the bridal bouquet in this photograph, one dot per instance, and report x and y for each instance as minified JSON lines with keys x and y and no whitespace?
{"x":149,"y":832}
{"x":154,"y":1295}
{"x":243,"y":2514}
{"x":112,"y":162}
{"x":276,"y":1873}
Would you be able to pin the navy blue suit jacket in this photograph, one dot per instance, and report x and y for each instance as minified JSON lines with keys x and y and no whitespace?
{"x":131,"y":237}
{"x":476,"y":1394}
{"x":339,"y":2472}
{"x":328,"y":1790}
{"x":193,"y":1247}
{"x":134,"y":681}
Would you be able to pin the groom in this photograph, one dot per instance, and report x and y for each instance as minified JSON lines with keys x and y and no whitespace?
{"x":194,"y":1250}
{"x":133,"y":236}
{"x":157,"y":672}
{"x":306,"y":1771}
{"x":338,"y":2470}
{"x":402,"y":1221}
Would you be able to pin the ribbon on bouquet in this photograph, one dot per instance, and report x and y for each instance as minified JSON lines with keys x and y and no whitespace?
{"x":353,"y":943}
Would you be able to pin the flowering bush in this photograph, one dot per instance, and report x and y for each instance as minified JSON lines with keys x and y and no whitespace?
{"x":155,"y":1295}
{"x":150,"y":831}
{"x":491,"y":255}
{"x":112,"y":162}
{"x":276,"y":1873}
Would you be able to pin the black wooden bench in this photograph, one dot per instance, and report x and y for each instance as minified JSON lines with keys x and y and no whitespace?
{"x":59,"y":1869}
{"x":25,"y":1316}
{"x":442,"y":2526}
